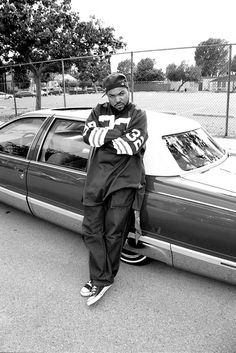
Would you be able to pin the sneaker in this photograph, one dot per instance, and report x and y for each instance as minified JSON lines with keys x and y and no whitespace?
{"x":86,"y":290}
{"x":96,"y":293}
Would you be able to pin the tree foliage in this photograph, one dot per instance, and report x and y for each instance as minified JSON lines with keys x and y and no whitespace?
{"x":94,"y":70}
{"x":145,"y":71}
{"x":211,"y":56}
{"x":125,"y":67}
{"x":40,"y":30}
{"x":233,"y":64}
{"x":21,"y":77}
{"x":183,"y":73}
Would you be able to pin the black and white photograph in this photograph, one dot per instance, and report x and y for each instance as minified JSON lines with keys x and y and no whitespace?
{"x":117,"y":176}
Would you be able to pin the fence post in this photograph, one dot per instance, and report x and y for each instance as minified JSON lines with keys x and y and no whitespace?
{"x":63,"y":82}
{"x":13,"y":89}
{"x":132,"y":77}
{"x":228,"y":91}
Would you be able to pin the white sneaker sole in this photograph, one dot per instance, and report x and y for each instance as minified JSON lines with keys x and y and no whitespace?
{"x":94,"y":299}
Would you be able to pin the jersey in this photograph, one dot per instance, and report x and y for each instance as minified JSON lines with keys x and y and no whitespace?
{"x":118,"y":138}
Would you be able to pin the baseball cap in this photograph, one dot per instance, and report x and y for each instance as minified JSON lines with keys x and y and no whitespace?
{"x":115,"y":80}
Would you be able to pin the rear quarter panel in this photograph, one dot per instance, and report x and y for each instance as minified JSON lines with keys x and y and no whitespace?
{"x":183,"y":214}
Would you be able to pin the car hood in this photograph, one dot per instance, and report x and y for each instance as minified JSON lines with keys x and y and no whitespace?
{"x":222,"y":176}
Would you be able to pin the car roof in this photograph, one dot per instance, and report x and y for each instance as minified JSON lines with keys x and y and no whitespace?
{"x":158,"y":123}
{"x":74,"y":113}
{"x":158,"y":159}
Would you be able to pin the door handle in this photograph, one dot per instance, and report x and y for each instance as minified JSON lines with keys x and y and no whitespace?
{"x":21,"y":173}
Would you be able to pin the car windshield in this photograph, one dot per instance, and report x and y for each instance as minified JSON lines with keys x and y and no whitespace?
{"x":193,"y":149}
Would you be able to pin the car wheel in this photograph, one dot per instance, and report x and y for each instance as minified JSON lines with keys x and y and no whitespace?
{"x":133,"y":258}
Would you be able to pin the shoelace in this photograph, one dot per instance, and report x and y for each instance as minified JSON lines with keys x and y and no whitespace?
{"x":93,"y":290}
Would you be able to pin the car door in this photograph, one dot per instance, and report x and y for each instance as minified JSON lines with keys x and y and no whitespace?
{"x":187,"y":215}
{"x":15,"y":140}
{"x":56,"y":177}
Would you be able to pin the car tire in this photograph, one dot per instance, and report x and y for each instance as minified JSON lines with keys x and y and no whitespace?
{"x":133,"y":258}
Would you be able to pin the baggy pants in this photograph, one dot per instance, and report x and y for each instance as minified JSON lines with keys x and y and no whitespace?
{"x":105,"y":228}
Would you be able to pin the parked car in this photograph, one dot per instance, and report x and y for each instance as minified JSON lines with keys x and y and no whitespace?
{"x":188,"y":217}
{"x":76,"y":90}
{"x":99,"y":89}
{"x":43,"y":92}
{"x":89,"y":90}
{"x":54,"y":91}
{"x":21,"y":94}
{"x":4,"y":95}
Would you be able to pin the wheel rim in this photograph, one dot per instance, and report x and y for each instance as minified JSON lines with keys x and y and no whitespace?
{"x":129,"y":256}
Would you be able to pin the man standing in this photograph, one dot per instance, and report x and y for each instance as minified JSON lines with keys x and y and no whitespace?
{"x":118,"y":131}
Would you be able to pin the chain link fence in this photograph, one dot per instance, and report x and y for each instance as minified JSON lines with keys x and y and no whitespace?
{"x":211,"y":100}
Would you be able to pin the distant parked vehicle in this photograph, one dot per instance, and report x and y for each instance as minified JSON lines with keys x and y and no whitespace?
{"x":54,"y":91}
{"x":90,"y":90}
{"x":4,"y":95}
{"x":76,"y":90}
{"x":21,"y":94}
{"x":43,"y":92}
{"x":96,"y":89}
{"x":99,"y":89}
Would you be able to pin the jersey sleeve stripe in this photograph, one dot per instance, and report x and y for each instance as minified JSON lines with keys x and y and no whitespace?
{"x":126,"y":146}
{"x":122,"y":146}
{"x":97,"y":136}
{"x":117,"y":147}
{"x":102,"y":136}
{"x":91,"y":137}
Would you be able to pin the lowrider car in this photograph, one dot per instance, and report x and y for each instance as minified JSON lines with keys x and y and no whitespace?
{"x":188,"y":218}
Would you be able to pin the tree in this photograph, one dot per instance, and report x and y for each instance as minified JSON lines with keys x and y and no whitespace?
{"x":211,"y":56}
{"x":21,"y":77}
{"x":233,"y":64}
{"x":41,"y":30}
{"x":146,"y":72}
{"x":94,"y":71}
{"x":183,"y":73}
{"x":125,"y":67}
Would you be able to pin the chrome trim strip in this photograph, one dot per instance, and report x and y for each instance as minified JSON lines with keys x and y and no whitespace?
{"x":195,"y":201}
{"x":15,"y":157}
{"x":14,"y":199}
{"x":56,"y":209}
{"x":45,"y":133}
{"x":54,"y":166}
{"x":203,"y":257}
{"x":151,"y":241}
{"x":153,"y":248}
{"x":228,"y":265}
{"x":14,"y":194}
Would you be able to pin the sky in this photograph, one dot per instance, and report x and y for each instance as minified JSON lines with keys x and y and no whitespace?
{"x":161,"y":24}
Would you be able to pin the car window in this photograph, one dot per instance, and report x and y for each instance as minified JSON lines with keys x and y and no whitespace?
{"x":16,"y":137}
{"x":64,"y":145}
{"x":193,"y":149}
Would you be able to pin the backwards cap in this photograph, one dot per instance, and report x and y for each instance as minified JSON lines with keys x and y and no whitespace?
{"x":114,"y":80}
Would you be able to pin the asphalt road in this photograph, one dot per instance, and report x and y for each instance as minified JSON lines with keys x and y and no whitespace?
{"x":149,"y":309}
